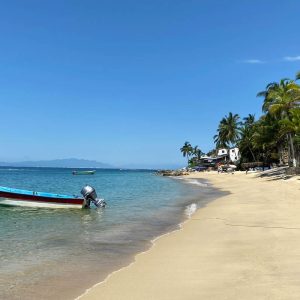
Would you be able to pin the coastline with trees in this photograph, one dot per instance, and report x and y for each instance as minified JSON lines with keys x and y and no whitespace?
{"x":273,"y":138}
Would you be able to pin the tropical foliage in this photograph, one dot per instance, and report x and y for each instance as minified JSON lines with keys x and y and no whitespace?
{"x":193,"y":154}
{"x":282,"y":101}
{"x":228,"y":132}
{"x":186,"y":150}
{"x":275,"y":133}
{"x":274,"y":137}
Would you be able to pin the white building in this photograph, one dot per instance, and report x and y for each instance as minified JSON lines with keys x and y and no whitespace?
{"x":222,"y":152}
{"x":233,"y":154}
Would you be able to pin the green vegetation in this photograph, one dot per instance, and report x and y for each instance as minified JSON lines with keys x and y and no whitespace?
{"x":228,"y":131}
{"x":274,"y":137}
{"x":187,"y":150}
{"x":193,"y":154}
{"x":274,"y":134}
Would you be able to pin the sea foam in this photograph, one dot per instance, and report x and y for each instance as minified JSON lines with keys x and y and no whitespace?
{"x":190,"y":209}
{"x":196,"y":182}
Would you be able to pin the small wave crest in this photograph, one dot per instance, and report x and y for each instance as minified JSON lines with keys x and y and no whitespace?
{"x":190,"y":209}
{"x":196,"y":182}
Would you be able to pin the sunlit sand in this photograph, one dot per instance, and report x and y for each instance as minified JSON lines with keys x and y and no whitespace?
{"x":244,"y":245}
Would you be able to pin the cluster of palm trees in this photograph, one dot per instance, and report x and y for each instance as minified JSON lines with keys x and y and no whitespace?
{"x":193,"y":154}
{"x":276,"y":132}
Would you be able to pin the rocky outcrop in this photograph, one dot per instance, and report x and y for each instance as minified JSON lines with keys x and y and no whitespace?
{"x":172,"y":173}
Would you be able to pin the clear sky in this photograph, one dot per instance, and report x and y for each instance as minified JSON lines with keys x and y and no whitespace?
{"x":128,"y":82}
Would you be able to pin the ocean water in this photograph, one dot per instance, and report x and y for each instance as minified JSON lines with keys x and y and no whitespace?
{"x":59,"y":253}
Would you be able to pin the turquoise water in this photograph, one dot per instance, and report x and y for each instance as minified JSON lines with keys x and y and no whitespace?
{"x":72,"y":249}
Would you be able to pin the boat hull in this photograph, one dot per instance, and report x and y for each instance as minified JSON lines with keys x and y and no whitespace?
{"x":28,"y":198}
{"x":12,"y":202}
{"x":83,"y":172}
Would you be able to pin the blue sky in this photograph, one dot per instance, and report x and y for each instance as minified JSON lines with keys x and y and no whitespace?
{"x":128,"y":82}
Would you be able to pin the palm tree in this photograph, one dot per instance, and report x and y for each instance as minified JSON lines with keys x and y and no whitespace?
{"x":279,"y":99}
{"x":211,"y":152}
{"x":186,"y":150}
{"x":219,"y":139}
{"x":246,"y":140}
{"x":197,"y":152}
{"x":292,"y":126}
{"x":266,"y":138}
{"x":249,"y":120}
{"x":228,"y":131}
{"x":298,"y":76}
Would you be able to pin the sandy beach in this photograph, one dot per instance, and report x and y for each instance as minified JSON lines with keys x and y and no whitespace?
{"x":245,"y":245}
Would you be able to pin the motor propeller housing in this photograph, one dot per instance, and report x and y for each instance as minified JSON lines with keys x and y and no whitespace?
{"x":89,"y":194}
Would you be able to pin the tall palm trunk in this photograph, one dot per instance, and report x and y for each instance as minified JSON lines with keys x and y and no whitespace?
{"x":254,"y":159}
{"x":280,"y":153}
{"x":292,"y":150}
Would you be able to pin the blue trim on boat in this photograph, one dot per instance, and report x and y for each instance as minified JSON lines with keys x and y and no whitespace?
{"x":32,"y":193}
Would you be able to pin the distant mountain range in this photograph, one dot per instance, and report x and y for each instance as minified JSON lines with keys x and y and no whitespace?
{"x":58,"y":163}
{"x":152,"y":166}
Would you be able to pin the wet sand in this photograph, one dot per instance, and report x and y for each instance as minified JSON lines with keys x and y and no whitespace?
{"x":245,"y":245}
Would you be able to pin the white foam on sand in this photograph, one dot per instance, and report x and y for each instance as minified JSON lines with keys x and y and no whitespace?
{"x":196,"y":182}
{"x":191,"y":209}
{"x":191,"y":181}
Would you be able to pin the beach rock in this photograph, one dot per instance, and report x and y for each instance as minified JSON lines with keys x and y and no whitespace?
{"x":172,"y":172}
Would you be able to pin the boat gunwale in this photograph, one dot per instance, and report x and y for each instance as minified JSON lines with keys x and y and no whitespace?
{"x":26,"y":195}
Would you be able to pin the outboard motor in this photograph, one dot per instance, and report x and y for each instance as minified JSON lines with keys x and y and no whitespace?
{"x":89,"y":194}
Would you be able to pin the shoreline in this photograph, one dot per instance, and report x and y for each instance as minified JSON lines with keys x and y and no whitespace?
{"x":104,"y":256}
{"x":153,"y":243}
{"x":120,"y":284}
{"x":185,"y":216}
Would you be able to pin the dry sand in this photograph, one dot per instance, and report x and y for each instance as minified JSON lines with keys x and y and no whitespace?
{"x":245,"y":245}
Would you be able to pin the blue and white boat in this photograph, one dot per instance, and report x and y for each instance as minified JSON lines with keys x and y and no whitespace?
{"x":18,"y":197}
